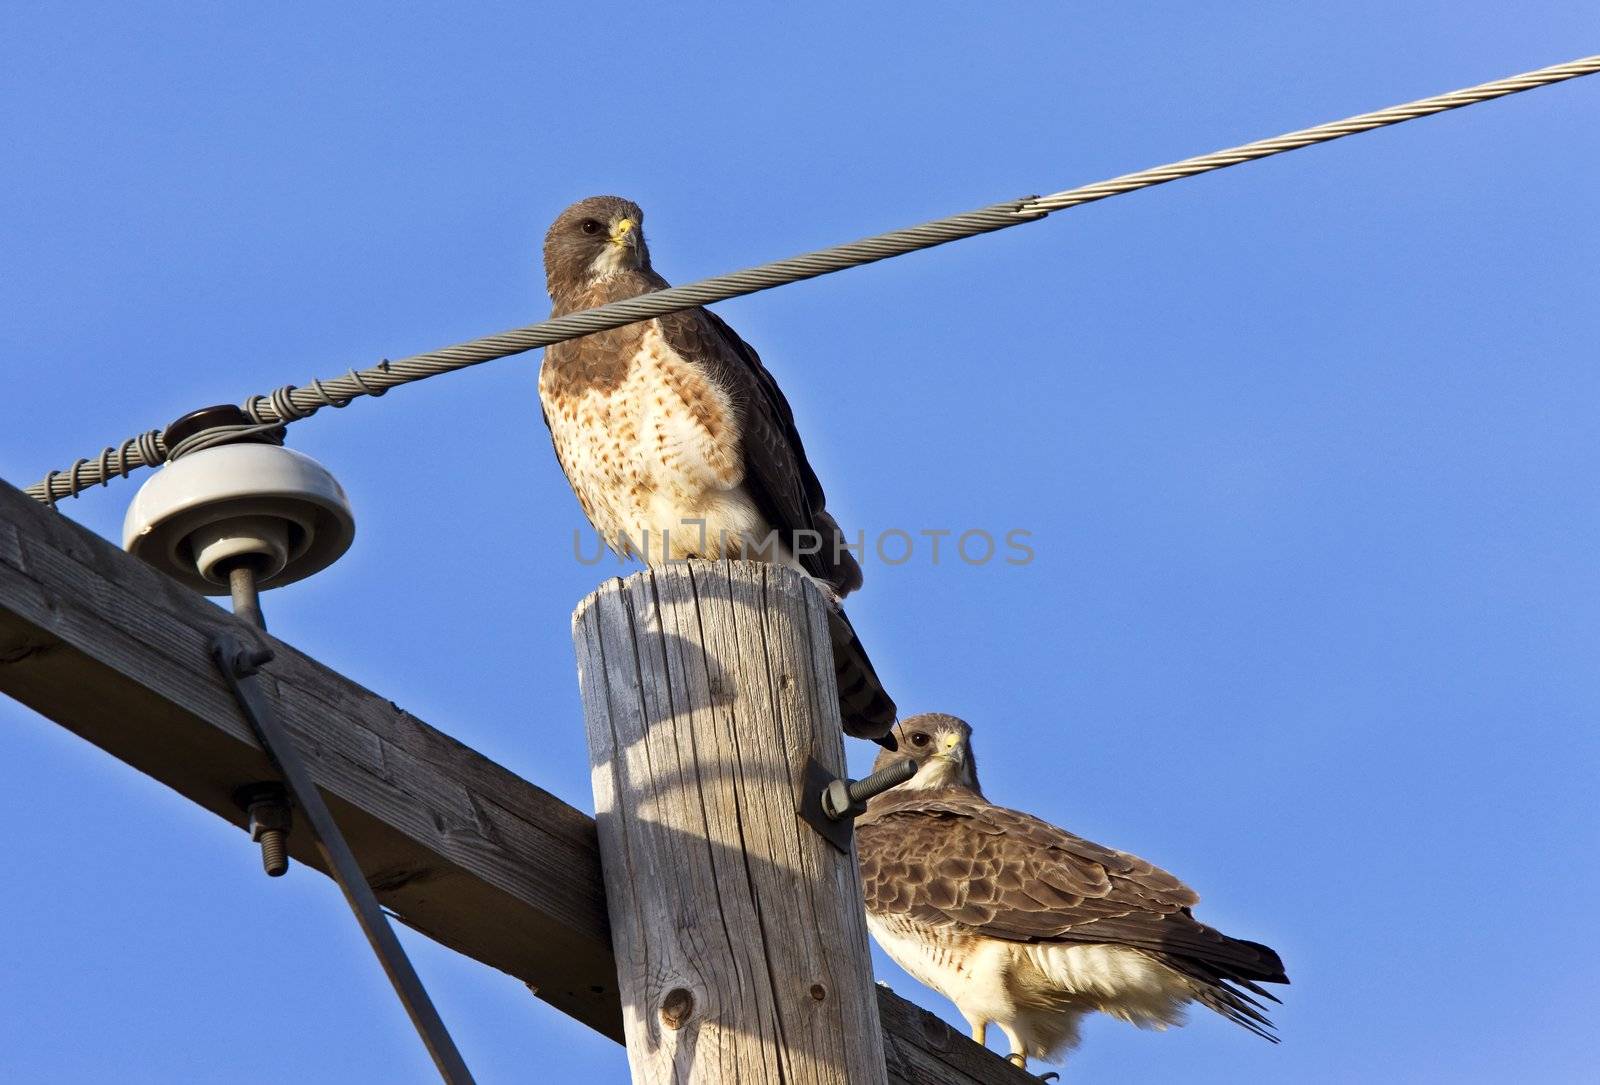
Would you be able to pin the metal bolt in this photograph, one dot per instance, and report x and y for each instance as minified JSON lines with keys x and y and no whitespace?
{"x":267,"y":806}
{"x":274,"y":853}
{"x":246,"y":595}
{"x":848,"y":798}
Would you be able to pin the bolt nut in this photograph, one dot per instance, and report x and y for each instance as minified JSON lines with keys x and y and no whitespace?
{"x":266,"y":805}
{"x":268,"y":816}
{"x":836,"y":800}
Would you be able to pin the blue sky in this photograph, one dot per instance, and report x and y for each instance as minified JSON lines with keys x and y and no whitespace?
{"x":1307,"y":449}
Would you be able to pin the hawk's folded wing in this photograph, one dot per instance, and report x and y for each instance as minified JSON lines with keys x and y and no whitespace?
{"x":960,"y":860}
{"x":780,"y":479}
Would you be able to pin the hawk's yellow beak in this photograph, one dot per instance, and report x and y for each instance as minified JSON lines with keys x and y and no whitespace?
{"x":951,"y":746}
{"x":621,"y":231}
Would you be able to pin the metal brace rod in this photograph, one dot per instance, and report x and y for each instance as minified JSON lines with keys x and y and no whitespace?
{"x":239,"y":665}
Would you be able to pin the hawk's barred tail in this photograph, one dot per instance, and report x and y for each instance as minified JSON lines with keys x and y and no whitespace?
{"x":864,"y":708}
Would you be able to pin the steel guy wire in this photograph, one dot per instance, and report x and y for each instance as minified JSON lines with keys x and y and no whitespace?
{"x":291,"y":403}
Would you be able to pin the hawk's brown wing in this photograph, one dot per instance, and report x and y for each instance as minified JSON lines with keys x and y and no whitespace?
{"x":778,"y":476}
{"x":786,"y":490}
{"x":953,"y":858}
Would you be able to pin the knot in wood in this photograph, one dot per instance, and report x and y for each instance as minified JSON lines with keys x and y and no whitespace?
{"x":818,"y":992}
{"x":676,"y":1008}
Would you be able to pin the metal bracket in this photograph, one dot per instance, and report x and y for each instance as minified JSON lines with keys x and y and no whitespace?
{"x":830,"y":805}
{"x":837,"y":833}
{"x":239,"y":665}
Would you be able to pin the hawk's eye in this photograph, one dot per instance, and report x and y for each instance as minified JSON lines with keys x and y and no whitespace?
{"x":919,"y":738}
{"x":589,"y":226}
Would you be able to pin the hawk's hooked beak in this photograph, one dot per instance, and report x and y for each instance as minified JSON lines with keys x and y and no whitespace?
{"x":625,"y":232}
{"x":953,"y":748}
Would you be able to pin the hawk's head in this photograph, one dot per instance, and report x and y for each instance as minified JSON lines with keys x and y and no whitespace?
{"x":594,"y":239}
{"x":941,"y":746}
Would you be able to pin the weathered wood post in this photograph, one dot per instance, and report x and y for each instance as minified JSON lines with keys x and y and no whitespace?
{"x":740,"y":942}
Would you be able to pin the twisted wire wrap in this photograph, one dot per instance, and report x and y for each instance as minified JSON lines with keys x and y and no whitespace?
{"x":271,"y":432}
{"x":141,"y":450}
{"x":289,"y":403}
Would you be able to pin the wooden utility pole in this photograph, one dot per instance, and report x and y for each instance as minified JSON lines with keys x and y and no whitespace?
{"x":453,"y":844}
{"x":738,"y":929}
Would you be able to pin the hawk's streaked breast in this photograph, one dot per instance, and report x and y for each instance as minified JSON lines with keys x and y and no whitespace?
{"x":649,"y":446}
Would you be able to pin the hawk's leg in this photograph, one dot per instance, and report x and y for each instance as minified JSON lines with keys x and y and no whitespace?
{"x":980,"y":1029}
{"x":1019,"y":1050}
{"x":1020,"y":1058}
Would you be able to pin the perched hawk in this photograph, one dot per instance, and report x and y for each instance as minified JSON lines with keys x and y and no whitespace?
{"x":678,"y":442}
{"x":1024,"y":925}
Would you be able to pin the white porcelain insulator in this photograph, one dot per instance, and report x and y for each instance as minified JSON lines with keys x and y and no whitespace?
{"x":267,"y":501}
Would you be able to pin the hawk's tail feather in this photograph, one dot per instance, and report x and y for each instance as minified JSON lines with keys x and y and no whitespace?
{"x":865,"y":709}
{"x":1226,"y":1001}
{"x":1256,"y":989}
{"x":1214,"y":988}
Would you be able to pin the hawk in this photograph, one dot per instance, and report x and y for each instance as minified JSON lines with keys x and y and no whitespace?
{"x":1024,"y":925}
{"x":679,"y":444}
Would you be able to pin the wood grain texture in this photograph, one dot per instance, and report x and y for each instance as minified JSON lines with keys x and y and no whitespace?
{"x":921,"y":1047}
{"x":739,"y":932}
{"x":455,"y":845}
